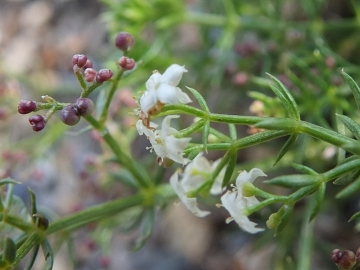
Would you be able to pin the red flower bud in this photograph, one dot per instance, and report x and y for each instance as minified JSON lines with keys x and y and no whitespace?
{"x":37,"y":121}
{"x":84,"y":106}
{"x":69,"y":115}
{"x":124,"y":41}
{"x":103,"y":75}
{"x":79,"y":60}
{"x":126,"y":63}
{"x":26,"y":106}
{"x":90,"y":74}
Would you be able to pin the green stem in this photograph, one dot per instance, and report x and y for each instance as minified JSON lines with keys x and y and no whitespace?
{"x":109,"y":97}
{"x":95,"y":213}
{"x":33,"y":240}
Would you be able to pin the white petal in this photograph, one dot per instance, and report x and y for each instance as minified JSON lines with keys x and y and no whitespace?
{"x":173,"y":74}
{"x":167,"y":94}
{"x":147,"y":101}
{"x":250,"y":176}
{"x":166,"y":130}
{"x":144,"y":130}
{"x":235,"y":206}
{"x":190,"y":203}
{"x":175,"y":148}
{"x":153,"y":82}
{"x":182,"y":97}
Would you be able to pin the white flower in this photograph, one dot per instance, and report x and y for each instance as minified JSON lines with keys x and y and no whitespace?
{"x":190,"y":203}
{"x":200,"y":170}
{"x":164,"y":142}
{"x":235,"y":202}
{"x":163,"y":89}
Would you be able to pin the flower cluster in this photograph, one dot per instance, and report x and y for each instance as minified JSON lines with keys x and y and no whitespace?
{"x":161,"y":90}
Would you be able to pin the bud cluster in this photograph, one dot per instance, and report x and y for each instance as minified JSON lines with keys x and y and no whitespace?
{"x":83,"y":68}
{"x":81,"y":64}
{"x":346,"y":259}
{"x":71,"y":114}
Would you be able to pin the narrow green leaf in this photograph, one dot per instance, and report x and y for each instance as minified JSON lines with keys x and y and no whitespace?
{"x":355,"y":216}
{"x":232,"y":132}
{"x":278,"y":124}
{"x":286,"y":147}
{"x":49,"y":256}
{"x":347,"y":178}
{"x":351,"y":125}
{"x":33,"y":208}
{"x":288,"y":210}
{"x":205,"y":134}
{"x":349,"y":190}
{"x":8,"y":180}
{"x":147,"y":227}
{"x":303,"y":169}
{"x":294,"y":180}
{"x":230,"y":169}
{"x":354,"y":88}
{"x":286,"y":98}
{"x":320,"y":194}
{"x":9,"y":252}
{"x":199,"y":98}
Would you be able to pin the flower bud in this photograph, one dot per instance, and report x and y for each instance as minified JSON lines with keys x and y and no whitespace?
{"x":90,"y":74}
{"x":88,"y":64}
{"x":79,"y":60}
{"x":26,"y":106}
{"x":336,"y":255}
{"x":103,"y":75}
{"x":37,"y":121}
{"x":69,"y":115}
{"x":84,"y":106}
{"x":124,"y":41}
{"x":358,"y":254}
{"x":347,"y":259}
{"x":126,"y":63}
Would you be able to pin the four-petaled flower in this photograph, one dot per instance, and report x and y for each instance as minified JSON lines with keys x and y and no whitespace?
{"x":195,"y":174}
{"x":163,"y":141}
{"x":162,"y":89}
{"x":235,"y":202}
{"x":190,"y":203}
{"x":200,"y":170}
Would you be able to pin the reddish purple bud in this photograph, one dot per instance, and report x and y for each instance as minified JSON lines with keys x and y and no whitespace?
{"x":84,"y":106}
{"x":103,"y":75}
{"x":124,"y":41}
{"x":358,"y":254}
{"x":90,"y":74}
{"x":126,"y":63}
{"x":88,"y":64}
{"x":345,"y":259}
{"x":37,"y":121}
{"x":336,"y":255}
{"x":69,"y":115}
{"x":79,"y":60}
{"x":26,"y":106}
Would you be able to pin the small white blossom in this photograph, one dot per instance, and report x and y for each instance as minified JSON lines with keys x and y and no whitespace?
{"x":164,"y":142}
{"x":190,"y":203}
{"x":200,"y":170}
{"x":235,"y":202}
{"x":163,"y":89}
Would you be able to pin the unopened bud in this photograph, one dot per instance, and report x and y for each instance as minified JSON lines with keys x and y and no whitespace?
{"x":37,"y":121}
{"x":90,"y":74}
{"x":126,"y":63}
{"x":345,"y":259}
{"x":84,"y":106}
{"x":69,"y":115}
{"x":103,"y":75}
{"x":26,"y":106}
{"x":124,"y":41}
{"x":79,"y":60}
